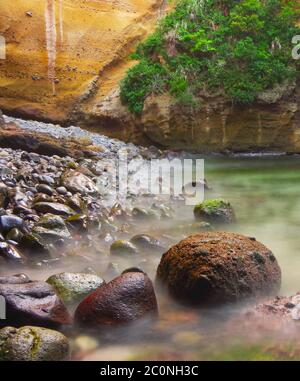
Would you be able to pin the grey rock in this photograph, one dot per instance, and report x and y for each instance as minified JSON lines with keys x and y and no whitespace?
{"x":10,"y":253}
{"x":76,"y":181}
{"x":44,"y":188}
{"x":33,"y":303}
{"x":8,"y":222}
{"x":51,"y":227}
{"x":54,"y":208}
{"x":14,"y":279}
{"x":73,"y":287}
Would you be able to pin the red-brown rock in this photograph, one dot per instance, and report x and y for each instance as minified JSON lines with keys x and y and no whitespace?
{"x":125,"y":299}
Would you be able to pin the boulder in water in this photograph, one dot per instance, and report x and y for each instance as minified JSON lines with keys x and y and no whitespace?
{"x":215,"y":211}
{"x":125,"y":299}
{"x":213,"y":268}
{"x":33,"y":303}
{"x":73,"y":287}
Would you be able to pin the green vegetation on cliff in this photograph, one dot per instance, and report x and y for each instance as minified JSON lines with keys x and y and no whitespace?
{"x":238,"y":48}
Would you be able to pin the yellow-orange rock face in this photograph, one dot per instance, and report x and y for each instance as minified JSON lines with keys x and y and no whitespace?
{"x":59,"y":53}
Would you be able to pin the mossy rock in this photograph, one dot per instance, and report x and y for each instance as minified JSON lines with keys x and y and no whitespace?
{"x":73,"y":287}
{"x":51,"y":227}
{"x":123,"y":247}
{"x":32,"y":344}
{"x":215,"y":211}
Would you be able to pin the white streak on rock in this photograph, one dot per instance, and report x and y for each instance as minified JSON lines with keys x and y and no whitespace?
{"x":51,"y":37}
{"x":61,"y":21}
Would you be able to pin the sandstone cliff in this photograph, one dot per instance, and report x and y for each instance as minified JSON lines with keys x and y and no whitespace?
{"x":63,"y":53}
{"x":270,"y":125}
{"x":65,"y":59}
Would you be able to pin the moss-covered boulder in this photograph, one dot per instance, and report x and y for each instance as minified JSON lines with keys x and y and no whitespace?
{"x":73,"y":287}
{"x":213,"y":268}
{"x":32,"y":344}
{"x":215,"y":211}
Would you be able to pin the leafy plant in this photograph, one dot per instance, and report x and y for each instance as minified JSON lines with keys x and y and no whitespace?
{"x":238,"y":47}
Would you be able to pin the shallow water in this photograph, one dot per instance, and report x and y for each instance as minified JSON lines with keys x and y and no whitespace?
{"x":265,"y":194}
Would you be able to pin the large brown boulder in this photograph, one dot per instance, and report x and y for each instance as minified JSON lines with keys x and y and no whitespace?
{"x":212,"y":268}
{"x":33,"y":303}
{"x":125,"y":299}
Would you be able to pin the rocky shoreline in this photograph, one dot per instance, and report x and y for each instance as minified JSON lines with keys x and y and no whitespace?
{"x":56,"y":211}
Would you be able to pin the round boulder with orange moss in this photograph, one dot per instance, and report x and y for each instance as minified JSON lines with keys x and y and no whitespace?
{"x":212,"y":268}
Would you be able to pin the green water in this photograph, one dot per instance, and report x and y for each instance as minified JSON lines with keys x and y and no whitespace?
{"x":266,"y":195}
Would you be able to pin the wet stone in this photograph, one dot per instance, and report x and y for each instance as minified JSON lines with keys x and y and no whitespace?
{"x":145,"y":241}
{"x":14,"y":279}
{"x":15,"y":234}
{"x":217,"y":211}
{"x":51,"y":227}
{"x":11,"y":253}
{"x":33,"y":303}
{"x":8,"y":222}
{"x":123,"y":247}
{"x":54,"y":208}
{"x":46,"y":189}
{"x":127,"y":298}
{"x":73,"y":287}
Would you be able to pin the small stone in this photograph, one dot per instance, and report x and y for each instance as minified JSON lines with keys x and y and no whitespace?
{"x":75,"y":182}
{"x":10,"y":253}
{"x":78,"y":222}
{"x":84,"y":344}
{"x":8,"y":222}
{"x":140,"y":213}
{"x":123,"y":247}
{"x":61,"y":190}
{"x":14,"y":235}
{"x":46,"y":189}
{"x":45,"y":179}
{"x":14,"y":279}
{"x":145,"y":241}
{"x":34,"y":246}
